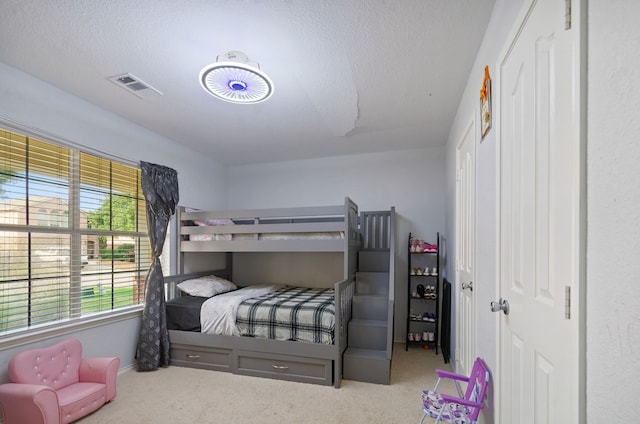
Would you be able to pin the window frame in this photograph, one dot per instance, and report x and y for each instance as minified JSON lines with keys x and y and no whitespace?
{"x":76,"y":320}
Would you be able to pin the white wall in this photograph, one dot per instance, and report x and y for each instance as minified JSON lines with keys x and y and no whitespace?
{"x":32,"y":103}
{"x":411,"y":180}
{"x":613,"y":211}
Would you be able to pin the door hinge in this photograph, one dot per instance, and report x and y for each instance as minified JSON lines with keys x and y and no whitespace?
{"x":567,"y":302}
{"x":567,"y":14}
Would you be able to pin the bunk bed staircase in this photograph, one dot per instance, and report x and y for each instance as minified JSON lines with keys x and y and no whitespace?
{"x":370,"y":332}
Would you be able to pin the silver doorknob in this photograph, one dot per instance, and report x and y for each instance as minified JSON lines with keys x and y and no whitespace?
{"x":468,"y":285}
{"x":500,"y":305}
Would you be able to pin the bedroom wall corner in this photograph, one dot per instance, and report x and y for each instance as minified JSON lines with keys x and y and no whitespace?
{"x":35,"y":104}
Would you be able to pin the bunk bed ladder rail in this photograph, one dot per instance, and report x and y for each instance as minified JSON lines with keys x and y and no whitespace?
{"x":375,"y":229}
{"x":344,"y":292}
{"x":392,"y":273}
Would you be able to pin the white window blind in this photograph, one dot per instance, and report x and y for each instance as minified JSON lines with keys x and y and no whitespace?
{"x":73,"y":234}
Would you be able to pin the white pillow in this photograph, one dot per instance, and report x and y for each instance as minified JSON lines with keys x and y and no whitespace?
{"x":207,"y":286}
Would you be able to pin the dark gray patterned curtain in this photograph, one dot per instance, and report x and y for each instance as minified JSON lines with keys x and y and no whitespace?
{"x":160,"y":189}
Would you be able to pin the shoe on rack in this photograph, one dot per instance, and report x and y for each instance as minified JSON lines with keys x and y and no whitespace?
{"x":410,"y":337}
{"x":431,"y":336}
{"x":413,"y":243}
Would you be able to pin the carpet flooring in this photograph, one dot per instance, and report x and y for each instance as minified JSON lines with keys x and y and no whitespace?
{"x":185,"y":395}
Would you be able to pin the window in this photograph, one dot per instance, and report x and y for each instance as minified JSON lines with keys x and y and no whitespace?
{"x":73,"y":234}
{"x":55,"y":217}
{"x":43,"y":217}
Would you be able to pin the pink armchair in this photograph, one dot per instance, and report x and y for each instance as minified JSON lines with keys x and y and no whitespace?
{"x":55,"y":385}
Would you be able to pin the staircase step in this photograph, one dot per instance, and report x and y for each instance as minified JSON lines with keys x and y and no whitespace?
{"x":370,"y":307}
{"x":367,"y":365}
{"x":373,"y":277}
{"x":367,"y":334}
{"x":373,"y":260}
{"x":372,"y":283}
{"x":366,"y":358}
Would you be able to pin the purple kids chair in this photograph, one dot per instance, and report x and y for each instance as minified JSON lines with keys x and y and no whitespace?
{"x":462,"y":409}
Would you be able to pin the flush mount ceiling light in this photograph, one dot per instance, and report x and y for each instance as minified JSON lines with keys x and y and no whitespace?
{"x":233,"y":79}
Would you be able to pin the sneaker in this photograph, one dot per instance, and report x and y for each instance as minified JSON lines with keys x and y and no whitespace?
{"x":410,"y":337}
{"x":431,"y":336}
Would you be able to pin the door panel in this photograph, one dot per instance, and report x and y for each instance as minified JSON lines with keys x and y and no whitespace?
{"x":517,"y":384}
{"x":465,"y":255}
{"x":538,"y":219}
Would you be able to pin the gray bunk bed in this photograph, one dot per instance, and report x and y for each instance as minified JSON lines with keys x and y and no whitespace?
{"x":330,"y":229}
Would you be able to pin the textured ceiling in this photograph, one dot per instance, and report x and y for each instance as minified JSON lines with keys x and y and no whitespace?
{"x":350,"y":76}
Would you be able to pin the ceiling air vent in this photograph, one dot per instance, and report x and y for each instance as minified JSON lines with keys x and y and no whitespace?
{"x":134,"y":85}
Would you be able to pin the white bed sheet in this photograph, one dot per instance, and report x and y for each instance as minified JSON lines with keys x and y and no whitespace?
{"x":218,"y":314}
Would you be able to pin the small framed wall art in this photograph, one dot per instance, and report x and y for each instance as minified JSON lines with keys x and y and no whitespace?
{"x":485,"y":104}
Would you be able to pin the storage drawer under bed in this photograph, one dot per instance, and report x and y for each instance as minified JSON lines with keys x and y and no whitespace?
{"x":201,"y":357}
{"x":284,"y":367}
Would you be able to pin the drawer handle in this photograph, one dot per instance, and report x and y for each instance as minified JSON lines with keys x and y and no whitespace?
{"x":193,"y":356}
{"x":280,"y":367}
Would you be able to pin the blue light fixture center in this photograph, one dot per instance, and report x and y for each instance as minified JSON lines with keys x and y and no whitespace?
{"x":237,"y":85}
